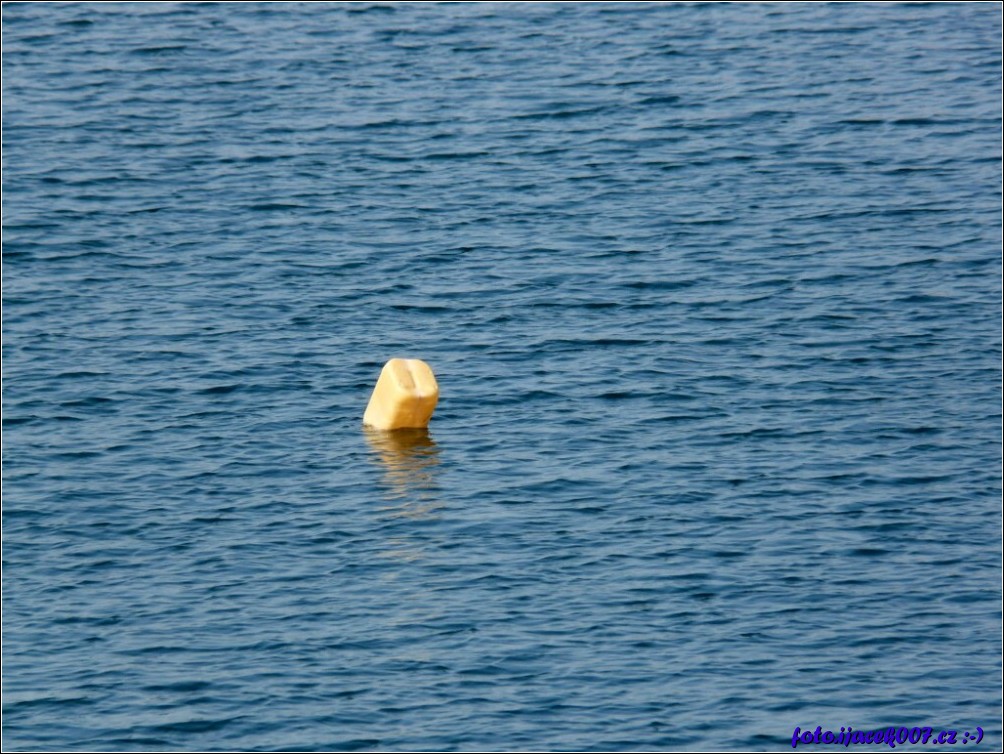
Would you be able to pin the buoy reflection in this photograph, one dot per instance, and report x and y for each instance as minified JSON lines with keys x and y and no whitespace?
{"x":409,"y":458}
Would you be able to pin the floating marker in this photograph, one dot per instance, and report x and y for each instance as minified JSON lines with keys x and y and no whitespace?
{"x":404,"y":397}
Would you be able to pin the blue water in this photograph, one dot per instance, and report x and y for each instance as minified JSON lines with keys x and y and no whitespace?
{"x":713,"y":296}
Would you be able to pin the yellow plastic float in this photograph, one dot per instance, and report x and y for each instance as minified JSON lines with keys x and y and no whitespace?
{"x":404,"y":397}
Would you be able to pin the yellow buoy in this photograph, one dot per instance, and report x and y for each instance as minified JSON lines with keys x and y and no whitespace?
{"x":404,"y":397}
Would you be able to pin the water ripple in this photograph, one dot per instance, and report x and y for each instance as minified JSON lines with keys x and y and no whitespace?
{"x":712,"y":293}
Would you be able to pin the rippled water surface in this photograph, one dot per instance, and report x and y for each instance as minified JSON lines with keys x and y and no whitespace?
{"x":713,"y":298}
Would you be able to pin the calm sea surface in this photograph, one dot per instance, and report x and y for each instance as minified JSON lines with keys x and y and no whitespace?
{"x":713,"y":295}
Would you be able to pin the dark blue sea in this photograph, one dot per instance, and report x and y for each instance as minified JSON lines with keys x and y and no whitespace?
{"x":713,"y":297}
